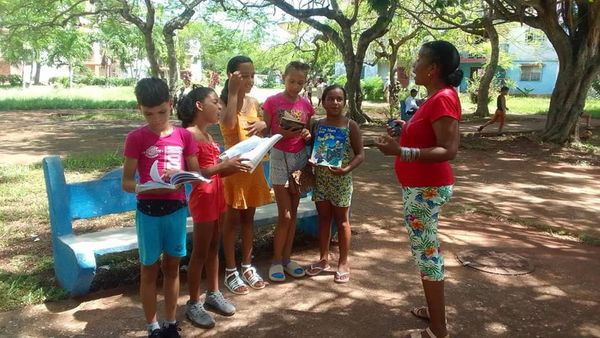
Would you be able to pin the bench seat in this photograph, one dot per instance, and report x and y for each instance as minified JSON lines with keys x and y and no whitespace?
{"x":75,"y":255}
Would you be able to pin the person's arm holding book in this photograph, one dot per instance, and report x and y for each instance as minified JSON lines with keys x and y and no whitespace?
{"x":227,"y":167}
{"x":357,"y":148}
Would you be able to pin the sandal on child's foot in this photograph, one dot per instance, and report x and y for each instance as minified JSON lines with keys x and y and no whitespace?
{"x":427,"y":333}
{"x":234,"y":283}
{"x":294,"y":269}
{"x":316,"y":268}
{"x":250,"y":276}
{"x":276,"y":273}
{"x":420,"y":312}
{"x":341,"y":277}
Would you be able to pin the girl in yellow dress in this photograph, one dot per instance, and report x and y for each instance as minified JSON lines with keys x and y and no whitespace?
{"x":244,"y":192}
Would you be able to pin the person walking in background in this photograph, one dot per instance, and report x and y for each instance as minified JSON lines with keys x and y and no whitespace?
{"x":321,"y":84}
{"x":500,"y":114}
{"x":428,"y":141}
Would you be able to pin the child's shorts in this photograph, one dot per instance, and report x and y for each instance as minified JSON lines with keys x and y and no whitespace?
{"x":158,"y":234}
{"x":278,"y":172}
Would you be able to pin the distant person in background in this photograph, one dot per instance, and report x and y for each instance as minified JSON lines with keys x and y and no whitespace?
{"x":411,"y":102}
{"x":500,"y":113}
{"x":321,"y":84}
{"x":308,"y":90}
{"x":214,"y":79}
{"x":186,"y":77}
{"x":386,"y":90}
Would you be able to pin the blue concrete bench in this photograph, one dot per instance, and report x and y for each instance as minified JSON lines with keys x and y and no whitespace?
{"x":75,"y":255}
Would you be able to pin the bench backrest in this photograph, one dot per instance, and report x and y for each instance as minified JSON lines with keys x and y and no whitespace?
{"x":82,"y":200}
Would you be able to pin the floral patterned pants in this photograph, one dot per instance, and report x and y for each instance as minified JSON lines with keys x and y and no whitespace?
{"x":421,"y":212}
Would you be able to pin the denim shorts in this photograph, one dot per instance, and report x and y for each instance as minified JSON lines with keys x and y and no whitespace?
{"x":278,"y":171}
{"x":158,"y":234}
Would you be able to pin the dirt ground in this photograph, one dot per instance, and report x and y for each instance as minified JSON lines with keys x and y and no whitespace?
{"x":503,"y":185}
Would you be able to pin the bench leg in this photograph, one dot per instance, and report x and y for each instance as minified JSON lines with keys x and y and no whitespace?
{"x":74,"y":270}
{"x":308,"y":225}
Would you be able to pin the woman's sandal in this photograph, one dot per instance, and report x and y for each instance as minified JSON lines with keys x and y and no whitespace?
{"x":316,"y":268}
{"x":420,"y":312}
{"x":419,"y":334}
{"x":255,"y":280}
{"x":341,"y":277}
{"x":234,"y":283}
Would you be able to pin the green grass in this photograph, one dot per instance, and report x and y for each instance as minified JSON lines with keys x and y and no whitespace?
{"x":90,"y":97}
{"x":530,"y":105}
{"x":26,"y":273}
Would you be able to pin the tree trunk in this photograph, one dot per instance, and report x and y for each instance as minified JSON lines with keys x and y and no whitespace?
{"x":353,"y":90}
{"x":70,"y":75}
{"x":172,"y":61}
{"x":23,"y":74}
{"x":392,"y":90}
{"x":483,"y":92}
{"x":151,"y":53}
{"x":38,"y":72}
{"x":568,"y":100}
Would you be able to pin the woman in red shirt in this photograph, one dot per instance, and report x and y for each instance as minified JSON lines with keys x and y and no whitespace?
{"x":426,"y":145}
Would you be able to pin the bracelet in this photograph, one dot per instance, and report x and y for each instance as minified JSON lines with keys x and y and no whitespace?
{"x":409,"y":154}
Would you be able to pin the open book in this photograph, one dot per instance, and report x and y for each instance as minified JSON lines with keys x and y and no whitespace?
{"x":288,"y":122}
{"x":252,"y":149}
{"x":174,"y":183}
{"x":329,"y":146}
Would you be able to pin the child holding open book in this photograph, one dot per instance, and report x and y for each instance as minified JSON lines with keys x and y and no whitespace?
{"x":333,"y":178}
{"x":161,"y":214}
{"x":244,"y":192}
{"x":287,"y":156}
{"x":197,"y":110}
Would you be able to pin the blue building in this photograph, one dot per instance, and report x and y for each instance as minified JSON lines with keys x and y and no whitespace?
{"x":534,"y":67}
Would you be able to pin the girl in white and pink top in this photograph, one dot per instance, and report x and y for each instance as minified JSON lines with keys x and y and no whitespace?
{"x":287,"y":156}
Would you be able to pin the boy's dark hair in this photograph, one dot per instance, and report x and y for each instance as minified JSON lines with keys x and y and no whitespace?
{"x":296,"y":65}
{"x":444,"y":54}
{"x":186,"y":109}
{"x":151,"y":92}
{"x":504,"y":88}
{"x":233,"y":65}
{"x":330,"y":88}
{"x":414,"y":91}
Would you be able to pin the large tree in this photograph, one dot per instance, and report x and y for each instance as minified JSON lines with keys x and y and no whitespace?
{"x":340,"y":26}
{"x":573,"y":28}
{"x":471,"y":17}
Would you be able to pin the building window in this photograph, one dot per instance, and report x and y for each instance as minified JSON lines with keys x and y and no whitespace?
{"x":534,"y":36}
{"x":531,"y":72}
{"x":503,"y":47}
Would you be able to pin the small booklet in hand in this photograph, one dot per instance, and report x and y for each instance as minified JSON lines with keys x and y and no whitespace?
{"x":329,"y":146}
{"x":289,"y":122}
{"x":174,"y":183}
{"x":252,"y":149}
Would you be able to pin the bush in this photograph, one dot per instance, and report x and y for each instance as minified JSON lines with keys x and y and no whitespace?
{"x":94,"y":81}
{"x":340,"y":80}
{"x":373,"y":89}
{"x":3,"y":79}
{"x":596,"y":86}
{"x":14,"y":80}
